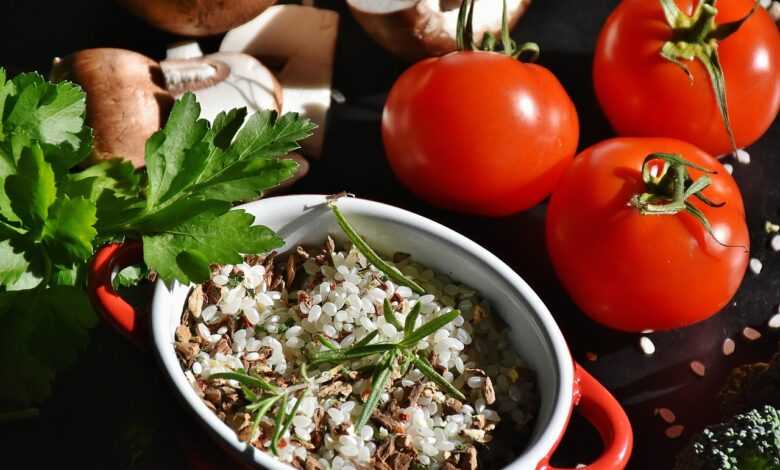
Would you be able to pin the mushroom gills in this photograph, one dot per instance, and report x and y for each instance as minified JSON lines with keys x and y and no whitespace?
{"x":221,"y":81}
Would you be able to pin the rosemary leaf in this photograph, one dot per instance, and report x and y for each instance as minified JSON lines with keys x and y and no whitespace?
{"x":390,"y":271}
{"x":427,"y":369}
{"x":245,"y":379}
{"x":411,"y":319}
{"x":428,"y":329}
{"x":355,"y":352}
{"x":366,"y":339}
{"x":280,"y":415}
{"x":248,"y":393}
{"x":378,"y":382}
{"x":289,"y":418}
{"x":262,"y":408}
{"x":327,"y":343}
{"x":390,"y":315}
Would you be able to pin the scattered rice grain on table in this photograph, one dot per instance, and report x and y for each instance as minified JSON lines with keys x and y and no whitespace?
{"x":698,"y":368}
{"x":265,"y":315}
{"x":675,"y":431}
{"x":666,"y":415}
{"x":751,"y":334}
{"x":646,"y":345}
{"x":756,"y":265}
{"x":728,"y":346}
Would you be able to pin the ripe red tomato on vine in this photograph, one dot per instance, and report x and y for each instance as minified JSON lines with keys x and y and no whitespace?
{"x":648,"y":233}
{"x":479,"y":131}
{"x":690,"y":69}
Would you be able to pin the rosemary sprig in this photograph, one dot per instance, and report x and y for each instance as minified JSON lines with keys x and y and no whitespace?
{"x":262,"y":396}
{"x":389,"y":353}
{"x":391,"y":272}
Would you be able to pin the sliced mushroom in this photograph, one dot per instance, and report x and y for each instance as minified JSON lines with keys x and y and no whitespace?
{"x":301,"y":40}
{"x":126,"y":99}
{"x":196,"y":17}
{"x":414,"y":29}
{"x":220,"y":81}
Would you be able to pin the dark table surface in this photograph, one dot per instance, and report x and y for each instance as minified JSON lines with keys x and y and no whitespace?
{"x":114,"y":411}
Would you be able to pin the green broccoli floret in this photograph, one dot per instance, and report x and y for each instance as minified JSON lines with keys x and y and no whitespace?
{"x":749,"y":441}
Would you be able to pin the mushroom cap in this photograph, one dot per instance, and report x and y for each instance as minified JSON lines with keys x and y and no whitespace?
{"x":126,"y":99}
{"x":196,"y":17}
{"x":240,"y":81}
{"x":414,"y":29}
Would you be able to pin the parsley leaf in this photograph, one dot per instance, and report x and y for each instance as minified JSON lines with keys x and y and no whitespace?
{"x":246,"y":179}
{"x":188,"y":159}
{"x":13,"y":264}
{"x":50,"y":113}
{"x":32,"y":190}
{"x":167,"y":156}
{"x":43,"y":330}
{"x":216,"y":236}
{"x":69,"y":230}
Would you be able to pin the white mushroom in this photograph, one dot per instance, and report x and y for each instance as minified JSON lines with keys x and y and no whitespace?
{"x":414,"y":29}
{"x":303,"y":41}
{"x":196,"y":17}
{"x":221,"y":81}
{"x":126,"y":99}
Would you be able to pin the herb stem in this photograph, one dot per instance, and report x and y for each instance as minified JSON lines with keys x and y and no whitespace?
{"x":390,"y":271}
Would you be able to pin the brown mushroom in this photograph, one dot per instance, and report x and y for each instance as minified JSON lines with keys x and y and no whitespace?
{"x":220,"y":81}
{"x":126,"y":99}
{"x":414,"y":29}
{"x":196,"y":17}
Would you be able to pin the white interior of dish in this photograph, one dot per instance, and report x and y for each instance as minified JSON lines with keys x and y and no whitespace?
{"x":306,"y":220}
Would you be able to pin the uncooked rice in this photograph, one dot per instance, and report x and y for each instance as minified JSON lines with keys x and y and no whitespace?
{"x":264,"y":316}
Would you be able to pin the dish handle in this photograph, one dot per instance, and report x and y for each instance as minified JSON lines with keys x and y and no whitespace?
{"x":599,"y":407}
{"x":108,"y":260}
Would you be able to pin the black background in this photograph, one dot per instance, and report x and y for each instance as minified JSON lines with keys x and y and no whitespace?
{"x":114,"y":410}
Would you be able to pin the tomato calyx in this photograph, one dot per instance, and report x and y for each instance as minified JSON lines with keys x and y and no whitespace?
{"x":669,"y":187}
{"x":696,"y":37}
{"x":526,"y":52}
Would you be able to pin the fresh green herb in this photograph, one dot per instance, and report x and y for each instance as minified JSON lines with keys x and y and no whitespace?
{"x":54,"y":215}
{"x":390,"y":271}
{"x":43,"y":332}
{"x":411,"y":319}
{"x":427,"y":369}
{"x":247,"y":380}
{"x":130,"y":276}
{"x":286,"y":420}
{"x":390,"y":315}
{"x":378,"y":383}
{"x":367,"y":339}
{"x":262,"y":396}
{"x":388,"y":354}
{"x":327,"y":343}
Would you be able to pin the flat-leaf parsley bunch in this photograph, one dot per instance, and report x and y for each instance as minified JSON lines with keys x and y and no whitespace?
{"x":54,"y":215}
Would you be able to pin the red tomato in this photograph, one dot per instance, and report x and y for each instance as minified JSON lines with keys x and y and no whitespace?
{"x":479,"y":132}
{"x":634,"y":272}
{"x":643,"y":94}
